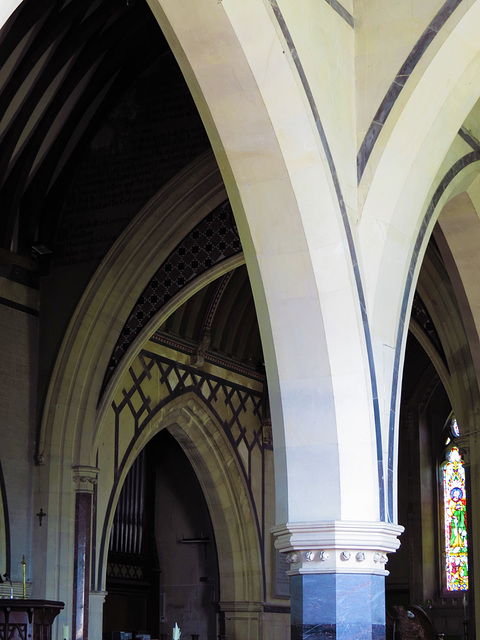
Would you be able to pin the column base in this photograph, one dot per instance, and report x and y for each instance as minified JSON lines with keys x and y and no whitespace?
{"x":341,"y":606}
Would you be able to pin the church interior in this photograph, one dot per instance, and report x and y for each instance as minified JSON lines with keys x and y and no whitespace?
{"x":239,"y":314}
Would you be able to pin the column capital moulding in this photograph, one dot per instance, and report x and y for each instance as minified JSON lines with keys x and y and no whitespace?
{"x":337,"y":546}
{"x":463,"y":445}
{"x":84,"y":478}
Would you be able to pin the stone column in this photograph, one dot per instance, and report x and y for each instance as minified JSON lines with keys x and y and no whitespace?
{"x":337,"y":577}
{"x":85,"y":478}
{"x":95,"y":613}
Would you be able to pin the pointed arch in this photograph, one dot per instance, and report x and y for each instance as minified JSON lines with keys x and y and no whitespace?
{"x":428,"y":114}
{"x":188,"y":419}
{"x":396,"y":223}
{"x":266,"y":132}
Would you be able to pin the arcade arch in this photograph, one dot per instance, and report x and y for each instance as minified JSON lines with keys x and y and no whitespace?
{"x":232,"y":512}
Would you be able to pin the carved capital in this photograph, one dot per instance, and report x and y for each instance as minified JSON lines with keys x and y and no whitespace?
{"x":337,"y":547}
{"x":463,"y":444}
{"x":267,"y":431}
{"x":85,"y":478}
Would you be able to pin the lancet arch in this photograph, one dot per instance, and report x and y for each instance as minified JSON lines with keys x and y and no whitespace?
{"x":424,"y":177}
{"x":417,"y":172}
{"x":111,"y":294}
{"x":269,"y":164}
{"x":188,"y":419}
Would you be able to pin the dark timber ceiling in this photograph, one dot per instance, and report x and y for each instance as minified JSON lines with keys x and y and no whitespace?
{"x":63,"y":66}
{"x":88,"y":88}
{"x":94,"y":118}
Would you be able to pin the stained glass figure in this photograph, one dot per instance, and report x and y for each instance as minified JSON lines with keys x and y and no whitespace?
{"x":455,"y":428}
{"x":455,"y":511}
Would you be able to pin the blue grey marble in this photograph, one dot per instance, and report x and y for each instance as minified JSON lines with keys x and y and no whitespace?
{"x":444,"y":13}
{"x":342,"y":606}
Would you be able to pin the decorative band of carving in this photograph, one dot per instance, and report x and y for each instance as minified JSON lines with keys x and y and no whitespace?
{"x":337,"y":547}
{"x":337,"y":561}
{"x":85,"y":478}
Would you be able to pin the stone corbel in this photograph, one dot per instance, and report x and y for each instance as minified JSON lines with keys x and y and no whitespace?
{"x":85,"y":478}
{"x":463,"y":445}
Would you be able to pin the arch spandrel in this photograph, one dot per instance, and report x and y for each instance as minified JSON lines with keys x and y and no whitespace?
{"x":413,"y":145}
{"x":458,"y":239}
{"x":76,"y":385}
{"x":401,"y":197}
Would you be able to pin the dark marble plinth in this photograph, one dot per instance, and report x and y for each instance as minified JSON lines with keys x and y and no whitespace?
{"x":340,"y":606}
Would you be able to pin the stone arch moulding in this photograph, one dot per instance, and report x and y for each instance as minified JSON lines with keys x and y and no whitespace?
{"x":413,"y":144}
{"x":75,"y":387}
{"x":238,"y":64}
{"x":176,"y":301}
{"x":458,"y":237}
{"x":209,"y":452}
{"x":446,"y":187}
{"x":401,"y":190}
{"x":71,"y":410}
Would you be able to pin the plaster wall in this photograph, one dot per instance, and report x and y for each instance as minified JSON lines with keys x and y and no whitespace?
{"x":18,"y":346}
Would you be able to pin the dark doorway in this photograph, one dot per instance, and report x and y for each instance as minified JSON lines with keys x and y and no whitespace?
{"x":162,"y":563}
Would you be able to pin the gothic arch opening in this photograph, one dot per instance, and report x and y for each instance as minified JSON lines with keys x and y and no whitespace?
{"x":230,"y":515}
{"x":162,"y":564}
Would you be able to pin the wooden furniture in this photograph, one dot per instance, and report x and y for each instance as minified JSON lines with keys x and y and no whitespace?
{"x":28,"y":619}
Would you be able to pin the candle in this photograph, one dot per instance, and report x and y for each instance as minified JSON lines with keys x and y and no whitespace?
{"x":66,"y":632}
{"x":24,"y":592}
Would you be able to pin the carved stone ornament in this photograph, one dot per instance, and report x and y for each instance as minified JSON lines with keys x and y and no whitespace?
{"x":85,"y":478}
{"x":40,"y":459}
{"x":381,"y":558}
{"x":267,"y":431}
{"x":463,"y":444}
{"x":337,"y":547}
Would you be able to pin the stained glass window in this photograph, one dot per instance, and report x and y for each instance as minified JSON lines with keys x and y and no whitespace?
{"x":455,"y":512}
{"x":455,"y":428}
